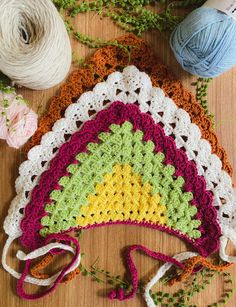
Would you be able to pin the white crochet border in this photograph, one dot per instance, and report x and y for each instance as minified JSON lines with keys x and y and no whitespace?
{"x":129,"y":86}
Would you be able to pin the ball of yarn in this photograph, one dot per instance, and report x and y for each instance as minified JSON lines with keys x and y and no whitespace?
{"x":35,"y":49}
{"x":205,"y":42}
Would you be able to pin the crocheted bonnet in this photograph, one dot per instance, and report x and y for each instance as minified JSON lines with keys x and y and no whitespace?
{"x":124,"y":153}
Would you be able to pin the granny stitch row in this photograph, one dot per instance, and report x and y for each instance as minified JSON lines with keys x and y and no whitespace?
{"x":123,"y":195}
{"x":121,"y":146}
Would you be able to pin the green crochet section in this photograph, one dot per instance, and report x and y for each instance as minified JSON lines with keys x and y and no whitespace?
{"x":124,"y":146}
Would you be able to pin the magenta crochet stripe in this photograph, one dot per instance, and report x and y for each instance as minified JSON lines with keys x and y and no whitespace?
{"x":118,"y":113}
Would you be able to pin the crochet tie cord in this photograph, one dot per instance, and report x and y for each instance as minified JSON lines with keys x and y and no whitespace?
{"x":148,"y":162}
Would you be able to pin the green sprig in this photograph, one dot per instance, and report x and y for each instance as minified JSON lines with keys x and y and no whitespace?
{"x":64,"y":4}
{"x":202,"y":86}
{"x":136,"y":16}
{"x":199,"y":283}
{"x":4,"y":82}
{"x":182,"y":297}
{"x":102,"y":276}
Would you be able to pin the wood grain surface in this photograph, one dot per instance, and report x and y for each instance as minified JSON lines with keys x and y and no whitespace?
{"x":108,"y":243}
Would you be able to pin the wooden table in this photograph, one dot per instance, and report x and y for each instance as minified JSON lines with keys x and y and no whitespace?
{"x":107,"y":243}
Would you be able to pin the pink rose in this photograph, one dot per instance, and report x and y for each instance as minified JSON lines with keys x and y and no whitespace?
{"x":17,"y":121}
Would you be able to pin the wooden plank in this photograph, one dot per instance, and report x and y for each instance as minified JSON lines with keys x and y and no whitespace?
{"x":108,"y":243}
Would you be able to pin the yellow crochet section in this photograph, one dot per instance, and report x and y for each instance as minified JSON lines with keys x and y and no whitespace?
{"x":120,"y":197}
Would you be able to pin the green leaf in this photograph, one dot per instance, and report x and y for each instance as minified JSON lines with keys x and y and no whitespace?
{"x":4,"y":80}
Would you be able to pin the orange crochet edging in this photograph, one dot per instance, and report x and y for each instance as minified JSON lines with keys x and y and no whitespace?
{"x":35,"y":270}
{"x":198,"y":260}
{"x":112,"y":58}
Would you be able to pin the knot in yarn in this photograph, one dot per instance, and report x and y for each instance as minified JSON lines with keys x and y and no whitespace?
{"x":35,"y":49}
{"x":117,"y":294}
{"x":205,"y":42}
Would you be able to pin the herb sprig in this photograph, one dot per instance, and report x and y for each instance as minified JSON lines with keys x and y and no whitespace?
{"x":181,"y":297}
{"x":202,"y":86}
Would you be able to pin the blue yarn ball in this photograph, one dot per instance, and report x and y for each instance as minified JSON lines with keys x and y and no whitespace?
{"x":204,"y":43}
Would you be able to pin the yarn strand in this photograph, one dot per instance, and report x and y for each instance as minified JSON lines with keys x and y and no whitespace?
{"x":119,"y":293}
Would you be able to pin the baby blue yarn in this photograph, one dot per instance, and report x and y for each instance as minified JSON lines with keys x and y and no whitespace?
{"x":205,"y":42}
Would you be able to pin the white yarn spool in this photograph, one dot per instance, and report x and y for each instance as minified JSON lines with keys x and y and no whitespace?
{"x":35,"y":49}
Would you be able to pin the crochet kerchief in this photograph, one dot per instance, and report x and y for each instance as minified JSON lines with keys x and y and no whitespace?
{"x":123,"y":153}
